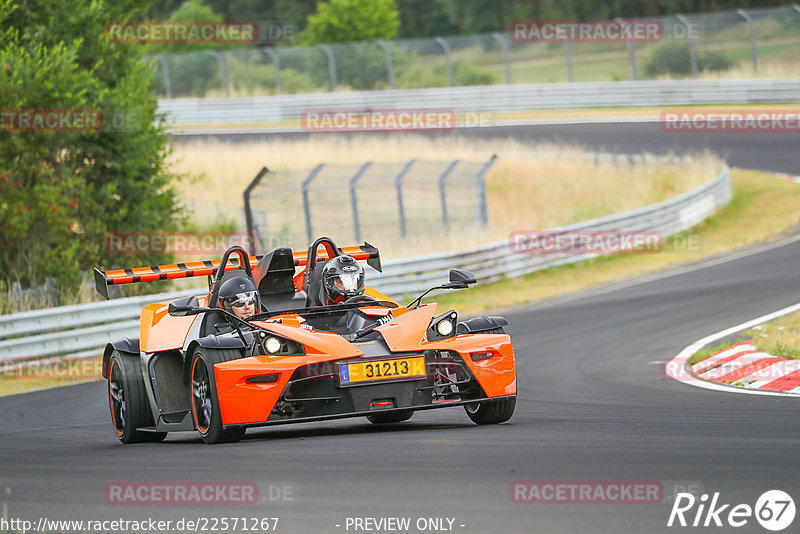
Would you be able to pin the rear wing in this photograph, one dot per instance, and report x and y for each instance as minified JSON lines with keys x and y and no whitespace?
{"x":174,"y":271}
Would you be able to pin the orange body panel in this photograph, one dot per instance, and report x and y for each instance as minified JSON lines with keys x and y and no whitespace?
{"x":158,"y":330}
{"x":497,"y":375}
{"x":241,"y":403}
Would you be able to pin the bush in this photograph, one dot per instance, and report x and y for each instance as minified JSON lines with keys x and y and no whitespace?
{"x":472,"y":75}
{"x":62,"y":191}
{"x":674,"y":59}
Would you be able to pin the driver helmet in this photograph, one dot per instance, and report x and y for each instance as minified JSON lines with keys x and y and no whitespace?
{"x":237,"y":292}
{"x":342,"y":278}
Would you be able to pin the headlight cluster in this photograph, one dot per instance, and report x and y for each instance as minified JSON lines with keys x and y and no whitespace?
{"x":443,"y":326}
{"x":275,"y":345}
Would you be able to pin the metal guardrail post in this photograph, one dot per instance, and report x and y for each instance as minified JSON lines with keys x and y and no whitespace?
{"x":446,"y":47}
{"x":331,"y":65}
{"x":568,"y":59}
{"x":389,"y":65}
{"x":483,"y":211}
{"x":690,"y":35}
{"x":398,"y":183}
{"x":253,"y":235}
{"x":746,"y":16}
{"x":222,"y":72}
{"x":631,"y":53}
{"x":306,"y":203}
{"x":276,"y":63}
{"x":165,"y":69}
{"x":796,"y":7}
{"x":354,"y":197}
{"x":443,"y":194}
{"x":506,"y":60}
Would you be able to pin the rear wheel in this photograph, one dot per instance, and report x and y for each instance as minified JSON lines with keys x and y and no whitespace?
{"x":389,"y":417}
{"x":127,"y":400}
{"x":205,"y":402}
{"x":491,"y":412}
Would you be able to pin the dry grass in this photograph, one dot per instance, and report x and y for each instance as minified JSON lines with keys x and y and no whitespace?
{"x":780,"y":337}
{"x":529,"y":188}
{"x":762,"y":208}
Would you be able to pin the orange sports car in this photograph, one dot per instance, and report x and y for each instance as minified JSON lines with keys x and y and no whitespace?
{"x":198,"y":366}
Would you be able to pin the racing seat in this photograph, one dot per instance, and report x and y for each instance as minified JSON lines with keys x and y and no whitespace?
{"x":316,"y":293}
{"x":274,"y":278}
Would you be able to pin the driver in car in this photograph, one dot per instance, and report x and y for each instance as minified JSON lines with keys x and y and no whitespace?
{"x":342,"y":278}
{"x":239,"y":296}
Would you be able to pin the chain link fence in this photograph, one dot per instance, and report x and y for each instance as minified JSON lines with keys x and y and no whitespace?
{"x":744,"y":43}
{"x":377,"y":201}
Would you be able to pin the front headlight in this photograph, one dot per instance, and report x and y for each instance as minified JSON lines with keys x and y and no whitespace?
{"x":443,"y":326}
{"x":275,"y":345}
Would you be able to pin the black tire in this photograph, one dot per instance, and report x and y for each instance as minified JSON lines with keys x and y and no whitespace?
{"x":205,"y":403}
{"x":491,"y":412}
{"x":389,"y":417}
{"x":127,"y":400}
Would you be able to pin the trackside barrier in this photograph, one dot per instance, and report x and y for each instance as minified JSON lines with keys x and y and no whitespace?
{"x":81,"y":330}
{"x":487,"y":98}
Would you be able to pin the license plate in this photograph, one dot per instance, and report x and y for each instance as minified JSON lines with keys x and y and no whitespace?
{"x":364,"y":372}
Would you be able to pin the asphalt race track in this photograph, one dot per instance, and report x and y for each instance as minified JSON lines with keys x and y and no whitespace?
{"x":592,"y":406}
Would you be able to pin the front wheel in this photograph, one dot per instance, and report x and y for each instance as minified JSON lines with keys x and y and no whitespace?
{"x":127,"y":400}
{"x":491,"y":412}
{"x":205,"y":402}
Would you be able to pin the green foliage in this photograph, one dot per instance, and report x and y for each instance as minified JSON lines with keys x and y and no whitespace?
{"x":674,"y":58}
{"x":63,"y":191}
{"x":467,"y":74}
{"x":341,"y":21}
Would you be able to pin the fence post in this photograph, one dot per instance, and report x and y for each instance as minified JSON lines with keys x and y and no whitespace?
{"x":307,"y":203}
{"x":446,"y":47}
{"x":746,"y":16}
{"x":331,"y":65}
{"x":276,"y":63}
{"x":398,"y":183}
{"x":223,"y":74}
{"x":389,"y":65}
{"x":631,"y":53}
{"x":354,"y":197}
{"x":483,"y":211}
{"x":165,"y":69}
{"x":506,"y":61}
{"x":443,"y":194}
{"x":252,"y":232}
{"x":568,"y":58}
{"x":690,"y":36}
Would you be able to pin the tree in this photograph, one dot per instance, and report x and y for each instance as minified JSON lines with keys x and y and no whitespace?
{"x":341,"y":21}
{"x":65,"y":189}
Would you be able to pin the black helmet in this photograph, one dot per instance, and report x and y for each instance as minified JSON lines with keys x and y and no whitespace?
{"x":342,"y":278}
{"x":237,"y":291}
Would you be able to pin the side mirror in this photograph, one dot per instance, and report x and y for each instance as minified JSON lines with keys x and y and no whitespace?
{"x":462,"y":278}
{"x":184,"y":306}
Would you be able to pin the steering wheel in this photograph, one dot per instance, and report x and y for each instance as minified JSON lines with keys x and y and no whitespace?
{"x":360,"y":298}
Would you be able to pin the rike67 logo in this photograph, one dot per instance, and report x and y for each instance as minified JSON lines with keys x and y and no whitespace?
{"x":774,"y":510}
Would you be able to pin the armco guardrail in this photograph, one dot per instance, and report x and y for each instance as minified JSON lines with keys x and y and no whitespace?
{"x":487,"y":98}
{"x":83,"y":329}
